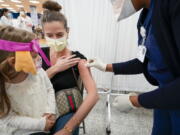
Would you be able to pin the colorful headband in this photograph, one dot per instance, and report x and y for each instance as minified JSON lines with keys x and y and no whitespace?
{"x":12,"y":46}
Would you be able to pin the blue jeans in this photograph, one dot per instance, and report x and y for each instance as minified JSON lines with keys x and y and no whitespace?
{"x":61,"y":122}
{"x":166,"y":122}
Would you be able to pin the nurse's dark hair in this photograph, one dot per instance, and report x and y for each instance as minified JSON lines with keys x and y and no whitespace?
{"x":52,"y":13}
{"x":7,"y":72}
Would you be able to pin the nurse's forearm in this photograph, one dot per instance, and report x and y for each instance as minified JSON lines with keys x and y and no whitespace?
{"x":165,"y":97}
{"x":109,"y":68}
{"x":130,"y":67}
{"x":134,"y":101}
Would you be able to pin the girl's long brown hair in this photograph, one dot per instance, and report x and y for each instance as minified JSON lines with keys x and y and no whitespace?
{"x":11,"y":34}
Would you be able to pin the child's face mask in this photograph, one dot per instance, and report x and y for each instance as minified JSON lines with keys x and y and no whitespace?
{"x":9,"y":15}
{"x":57,"y":44}
{"x":22,"y":13}
{"x":38,"y":62}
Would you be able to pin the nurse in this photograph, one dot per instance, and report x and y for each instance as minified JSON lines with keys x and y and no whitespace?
{"x":23,"y":21}
{"x":158,"y":59}
{"x":5,"y":17}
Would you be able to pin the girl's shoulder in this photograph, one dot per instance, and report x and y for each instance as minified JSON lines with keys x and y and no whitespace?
{"x":79,"y":55}
{"x":41,"y":73}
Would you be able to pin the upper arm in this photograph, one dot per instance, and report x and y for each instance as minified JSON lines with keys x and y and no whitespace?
{"x":86,"y":77}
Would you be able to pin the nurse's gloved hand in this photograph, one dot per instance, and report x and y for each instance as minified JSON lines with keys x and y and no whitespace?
{"x":123,"y":102}
{"x":96,"y":63}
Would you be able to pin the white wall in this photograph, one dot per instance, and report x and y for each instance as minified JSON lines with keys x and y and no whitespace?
{"x":95,"y":33}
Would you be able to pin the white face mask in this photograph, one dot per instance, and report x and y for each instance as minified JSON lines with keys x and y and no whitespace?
{"x":9,"y":15}
{"x":22,"y":13}
{"x":38,"y":63}
{"x":57,"y":44}
{"x":122,"y":9}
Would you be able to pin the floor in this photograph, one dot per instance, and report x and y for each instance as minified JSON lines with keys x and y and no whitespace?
{"x":136,"y":122}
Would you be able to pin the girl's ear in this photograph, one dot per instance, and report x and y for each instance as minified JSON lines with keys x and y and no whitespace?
{"x":11,"y":61}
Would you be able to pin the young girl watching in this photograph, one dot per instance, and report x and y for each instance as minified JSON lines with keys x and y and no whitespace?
{"x":27,"y":101}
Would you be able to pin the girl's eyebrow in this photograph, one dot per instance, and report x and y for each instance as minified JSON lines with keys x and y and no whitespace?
{"x":49,"y":33}
{"x":59,"y":33}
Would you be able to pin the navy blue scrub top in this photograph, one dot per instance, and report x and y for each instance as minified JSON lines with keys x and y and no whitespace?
{"x":156,"y":65}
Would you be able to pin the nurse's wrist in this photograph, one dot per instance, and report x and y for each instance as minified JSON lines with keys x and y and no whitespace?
{"x":134,"y":101}
{"x":109,"y":68}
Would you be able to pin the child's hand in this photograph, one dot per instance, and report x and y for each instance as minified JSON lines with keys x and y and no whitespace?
{"x":51,"y":116}
{"x":49,"y":123}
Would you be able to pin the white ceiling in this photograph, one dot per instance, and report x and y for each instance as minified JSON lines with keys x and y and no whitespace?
{"x":14,"y":5}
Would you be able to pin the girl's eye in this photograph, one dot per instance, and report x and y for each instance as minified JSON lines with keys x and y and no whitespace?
{"x":59,"y":35}
{"x":49,"y":35}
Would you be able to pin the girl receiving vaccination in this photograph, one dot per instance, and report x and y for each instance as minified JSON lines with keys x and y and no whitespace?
{"x":27,"y":101}
{"x":67,"y":72}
